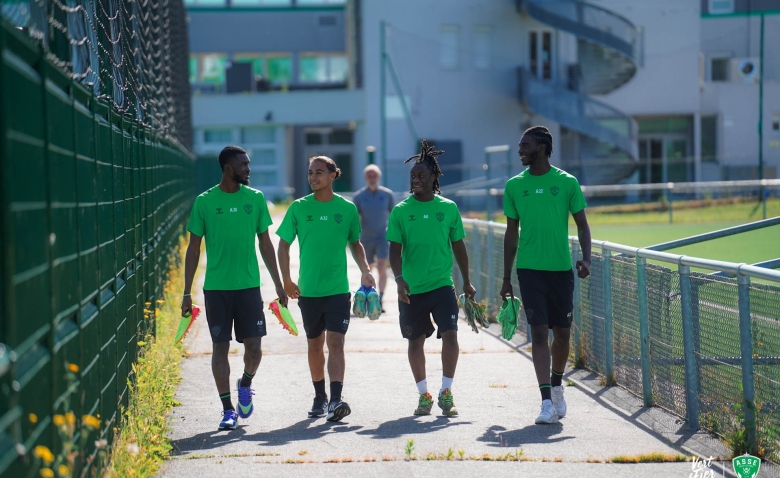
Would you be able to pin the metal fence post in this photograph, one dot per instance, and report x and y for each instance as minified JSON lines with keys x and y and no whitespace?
{"x":691,"y":381}
{"x":575,"y":256}
{"x":644,"y":330}
{"x":606,"y":261}
{"x":746,"y":348}
{"x":491,"y":280}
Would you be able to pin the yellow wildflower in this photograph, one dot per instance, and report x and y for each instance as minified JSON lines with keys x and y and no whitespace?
{"x":63,"y":470}
{"x":44,"y":453}
{"x":33,"y":418}
{"x":58,"y":420}
{"x":73,"y":367}
{"x":70,"y":418}
{"x":90,"y":422}
{"x":46,"y":473}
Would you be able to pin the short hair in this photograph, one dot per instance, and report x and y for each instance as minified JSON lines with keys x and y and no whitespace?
{"x":542,"y":136}
{"x":428,"y":156}
{"x":228,"y":153}
{"x":329,"y":163}
{"x":372,"y":167}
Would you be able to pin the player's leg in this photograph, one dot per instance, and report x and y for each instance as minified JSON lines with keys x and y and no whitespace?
{"x":532,"y":292}
{"x":560,"y":306}
{"x":314,"y":325}
{"x":250,"y":326}
{"x":382,"y":255}
{"x":416,"y":326}
{"x":445,"y":314}
{"x":336,"y":315}
{"x":219,"y":318}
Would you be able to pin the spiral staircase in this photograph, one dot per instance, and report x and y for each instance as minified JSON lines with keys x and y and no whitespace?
{"x":609,"y":51}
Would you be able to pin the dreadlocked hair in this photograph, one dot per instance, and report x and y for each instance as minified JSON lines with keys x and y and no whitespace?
{"x":428,"y":156}
{"x":542,"y":136}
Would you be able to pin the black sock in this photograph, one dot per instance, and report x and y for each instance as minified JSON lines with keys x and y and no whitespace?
{"x":546,"y":391}
{"x":556,"y":378}
{"x":246,"y":380}
{"x":335,"y":391}
{"x":319,"y":388}
{"x":226,"y":403}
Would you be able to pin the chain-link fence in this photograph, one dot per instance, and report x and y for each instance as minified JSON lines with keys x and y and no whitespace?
{"x":94,"y":191}
{"x":712,"y":348}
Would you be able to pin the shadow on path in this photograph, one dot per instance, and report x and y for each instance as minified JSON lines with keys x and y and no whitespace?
{"x":409,"y":425}
{"x":542,"y":434}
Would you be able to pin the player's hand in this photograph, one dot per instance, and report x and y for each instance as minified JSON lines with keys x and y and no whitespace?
{"x":403,"y":290}
{"x":186,"y":305}
{"x":291,"y":289}
{"x":583,"y":268}
{"x":506,"y":290}
{"x":280,"y":292}
{"x":367,"y":279}
{"x":470,"y":291}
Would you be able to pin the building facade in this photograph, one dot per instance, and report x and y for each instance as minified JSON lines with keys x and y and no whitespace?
{"x":633,"y":92}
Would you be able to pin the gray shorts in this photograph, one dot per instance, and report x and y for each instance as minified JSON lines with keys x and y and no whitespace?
{"x":376,"y":249}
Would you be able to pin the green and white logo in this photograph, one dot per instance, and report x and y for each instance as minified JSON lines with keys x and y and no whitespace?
{"x":746,"y":466}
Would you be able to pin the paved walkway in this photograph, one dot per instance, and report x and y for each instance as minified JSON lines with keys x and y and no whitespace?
{"x":494,"y":390}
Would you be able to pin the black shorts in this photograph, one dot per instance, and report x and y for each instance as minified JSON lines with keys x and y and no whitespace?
{"x":325,"y":313}
{"x":415,"y":317}
{"x":239,"y":309}
{"x":547,"y":296}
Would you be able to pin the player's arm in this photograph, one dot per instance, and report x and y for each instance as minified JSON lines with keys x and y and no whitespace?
{"x":359,"y":256}
{"x":583,"y":232}
{"x":191,"y":260}
{"x":396,"y":266}
{"x":290,"y":287}
{"x":269,"y":258}
{"x":462,"y":258}
{"x":511,"y":237}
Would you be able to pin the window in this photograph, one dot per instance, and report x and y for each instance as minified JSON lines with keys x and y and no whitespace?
{"x":217,"y":135}
{"x":450,"y":48}
{"x":540,"y":54}
{"x":193,"y":69}
{"x":709,"y":138}
{"x":721,"y":7}
{"x":719,"y":69}
{"x":776,"y":122}
{"x":258,"y":67}
{"x":205,"y":3}
{"x":340,"y":137}
{"x":323,"y":68}
{"x":279,"y":68}
{"x":259,"y":135}
{"x":212,"y":68}
{"x":261,"y":3}
{"x":483,"y":47}
{"x":313,"y":138}
{"x":320,"y":2}
{"x":264,"y":178}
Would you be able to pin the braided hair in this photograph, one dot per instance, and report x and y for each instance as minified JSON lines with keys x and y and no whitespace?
{"x":542,"y":136}
{"x":428,"y":156}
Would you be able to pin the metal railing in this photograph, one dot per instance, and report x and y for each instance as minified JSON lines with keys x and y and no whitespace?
{"x":702,"y":346}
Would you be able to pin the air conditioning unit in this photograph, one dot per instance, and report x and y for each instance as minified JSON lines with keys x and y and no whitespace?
{"x":745,"y":70}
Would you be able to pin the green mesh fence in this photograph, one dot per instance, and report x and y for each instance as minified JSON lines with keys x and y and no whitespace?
{"x":715,"y":325}
{"x":95,"y":189}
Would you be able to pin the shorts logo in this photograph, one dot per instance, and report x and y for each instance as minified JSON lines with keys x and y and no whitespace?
{"x":529,"y":313}
{"x":219,"y":210}
{"x":525,"y":193}
{"x":309,"y":218}
{"x":554,"y":190}
{"x":440,"y":216}
{"x":346,"y":321}
{"x":338,"y":218}
{"x":259,"y":322}
{"x":248,"y":208}
{"x":408,"y":330}
{"x":215,"y":331}
{"x":411,"y":217}
{"x":568,"y":316}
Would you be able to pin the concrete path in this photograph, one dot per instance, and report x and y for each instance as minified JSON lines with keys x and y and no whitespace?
{"x":494,"y":389}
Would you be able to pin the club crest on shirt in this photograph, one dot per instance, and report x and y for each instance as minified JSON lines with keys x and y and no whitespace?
{"x":440,"y":216}
{"x":411,"y":217}
{"x":309,"y":218}
{"x":554,"y":190}
{"x":338,"y":218}
{"x":248,"y":208}
{"x":525,"y":193}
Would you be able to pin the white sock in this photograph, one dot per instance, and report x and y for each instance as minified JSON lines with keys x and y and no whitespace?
{"x":422,"y":386}
{"x":446,"y":383}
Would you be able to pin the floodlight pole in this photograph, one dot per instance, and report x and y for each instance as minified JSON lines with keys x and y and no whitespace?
{"x":761,"y":118}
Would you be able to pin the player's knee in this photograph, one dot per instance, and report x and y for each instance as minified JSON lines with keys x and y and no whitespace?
{"x":450,"y":338}
{"x":253,"y":348}
{"x":540,"y":337}
{"x":335,"y":343}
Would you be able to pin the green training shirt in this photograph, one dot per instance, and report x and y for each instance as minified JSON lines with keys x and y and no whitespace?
{"x":426,"y":231}
{"x":542,"y":204}
{"x":230,"y":223}
{"x":323,"y":230}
